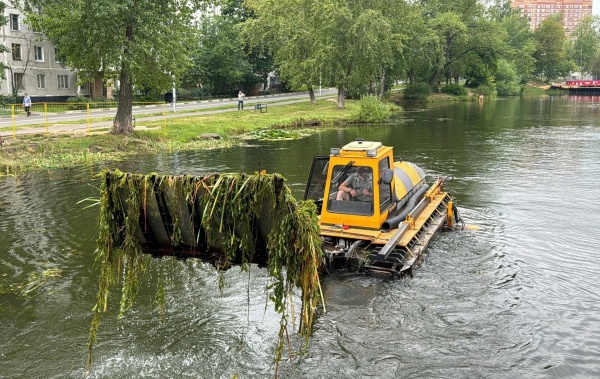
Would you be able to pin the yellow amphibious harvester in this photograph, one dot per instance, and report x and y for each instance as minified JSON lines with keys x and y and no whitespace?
{"x":376,"y":215}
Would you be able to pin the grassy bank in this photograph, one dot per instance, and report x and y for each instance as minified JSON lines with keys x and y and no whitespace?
{"x":202,"y":131}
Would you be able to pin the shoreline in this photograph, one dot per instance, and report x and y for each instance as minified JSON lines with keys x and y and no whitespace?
{"x":206,"y":131}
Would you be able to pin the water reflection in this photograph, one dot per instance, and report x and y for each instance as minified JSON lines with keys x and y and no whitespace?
{"x":518,"y":298}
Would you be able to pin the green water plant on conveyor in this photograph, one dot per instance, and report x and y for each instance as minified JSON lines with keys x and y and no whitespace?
{"x":230,"y":204}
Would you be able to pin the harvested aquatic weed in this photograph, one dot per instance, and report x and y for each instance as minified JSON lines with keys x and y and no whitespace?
{"x":232,"y":214}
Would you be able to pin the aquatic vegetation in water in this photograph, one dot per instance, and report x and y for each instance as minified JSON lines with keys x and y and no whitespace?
{"x":229,"y":205}
{"x":273,"y":134}
{"x":35,"y":280}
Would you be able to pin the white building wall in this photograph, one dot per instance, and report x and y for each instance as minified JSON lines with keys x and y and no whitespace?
{"x":43,"y":76}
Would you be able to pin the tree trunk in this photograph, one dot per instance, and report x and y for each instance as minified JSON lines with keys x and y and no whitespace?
{"x":411,"y":76}
{"x":311,"y":94}
{"x":382,"y":85}
{"x":122,"y":123}
{"x":434,"y":78}
{"x":341,"y":98}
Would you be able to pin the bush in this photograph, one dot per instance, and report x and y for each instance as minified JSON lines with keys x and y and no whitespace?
{"x":193,"y":93}
{"x":487,"y":91}
{"x":371,"y":110}
{"x":507,"y":80}
{"x":417,"y":91}
{"x":79,"y":99}
{"x":78,"y":102}
{"x":11,"y":99}
{"x":454,"y":89}
{"x":508,"y":89}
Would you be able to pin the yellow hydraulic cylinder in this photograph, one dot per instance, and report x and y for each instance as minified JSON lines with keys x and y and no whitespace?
{"x":450,"y":215}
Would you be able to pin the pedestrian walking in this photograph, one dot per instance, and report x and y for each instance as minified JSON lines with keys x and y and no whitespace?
{"x":241,"y":97}
{"x":27,"y":104}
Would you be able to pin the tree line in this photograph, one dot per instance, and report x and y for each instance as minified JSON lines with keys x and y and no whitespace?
{"x":359,"y":47}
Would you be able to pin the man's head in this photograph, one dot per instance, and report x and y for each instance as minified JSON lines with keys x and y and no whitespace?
{"x":362,"y":172}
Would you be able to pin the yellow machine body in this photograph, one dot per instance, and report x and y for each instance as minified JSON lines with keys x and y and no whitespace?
{"x":377,"y":158}
{"x":372,"y":210}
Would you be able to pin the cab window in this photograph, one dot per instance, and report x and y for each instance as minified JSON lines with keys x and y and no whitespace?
{"x":351,"y":190}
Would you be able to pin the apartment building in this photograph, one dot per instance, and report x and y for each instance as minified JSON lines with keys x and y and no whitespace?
{"x":32,"y":63}
{"x":573,"y":11}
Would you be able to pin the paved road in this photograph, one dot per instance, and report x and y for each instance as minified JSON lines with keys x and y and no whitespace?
{"x":179,"y":110}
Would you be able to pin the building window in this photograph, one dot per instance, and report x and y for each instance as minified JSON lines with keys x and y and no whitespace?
{"x":14,"y":22}
{"x":57,"y":56}
{"x":63,"y":81}
{"x":41,"y":81}
{"x":16,"y":52}
{"x":18,"y":81}
{"x":39,"y":53}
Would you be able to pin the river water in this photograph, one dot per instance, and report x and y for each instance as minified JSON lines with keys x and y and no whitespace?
{"x":517,"y":298}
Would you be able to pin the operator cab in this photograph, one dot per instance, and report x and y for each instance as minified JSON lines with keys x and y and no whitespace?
{"x":366,"y":170}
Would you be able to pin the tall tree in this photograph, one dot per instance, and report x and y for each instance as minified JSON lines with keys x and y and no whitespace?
{"x":422,"y":48}
{"x":520,"y":44}
{"x":291,"y":40}
{"x":347,"y":44}
{"x":139,"y":41}
{"x":220,"y":63}
{"x":468,"y":42}
{"x":584,"y":45}
{"x":551,"y":56}
{"x":258,"y":56}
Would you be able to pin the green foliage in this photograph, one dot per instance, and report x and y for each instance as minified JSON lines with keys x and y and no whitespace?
{"x":149,"y":94}
{"x":142,"y":43}
{"x":273,"y":134}
{"x":228,"y":207}
{"x":220,"y":60}
{"x":10,"y":99}
{"x":3,"y":47}
{"x":584,"y":44}
{"x":349,"y":45}
{"x":552,"y":61}
{"x":371,"y":110}
{"x":595,"y":66}
{"x":507,"y":80}
{"x":457,"y":41}
{"x":417,"y":92}
{"x":520,"y":42}
{"x":184,"y":94}
{"x":454,"y":89}
{"x":486,"y":90}
{"x":508,"y":89}
{"x":78,"y":102}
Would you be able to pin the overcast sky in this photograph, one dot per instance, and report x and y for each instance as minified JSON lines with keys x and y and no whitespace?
{"x":596,"y":7}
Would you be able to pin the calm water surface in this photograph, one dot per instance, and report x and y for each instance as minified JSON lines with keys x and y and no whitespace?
{"x":517,"y":299}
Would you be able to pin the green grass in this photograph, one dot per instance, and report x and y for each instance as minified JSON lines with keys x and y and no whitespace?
{"x":35,"y":152}
{"x":138,"y":117}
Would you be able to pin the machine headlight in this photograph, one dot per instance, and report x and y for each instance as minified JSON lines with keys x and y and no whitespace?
{"x":371,"y":153}
{"x":334,"y":151}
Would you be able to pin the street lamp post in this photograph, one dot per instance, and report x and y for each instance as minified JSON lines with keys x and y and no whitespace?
{"x":174,"y":98}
